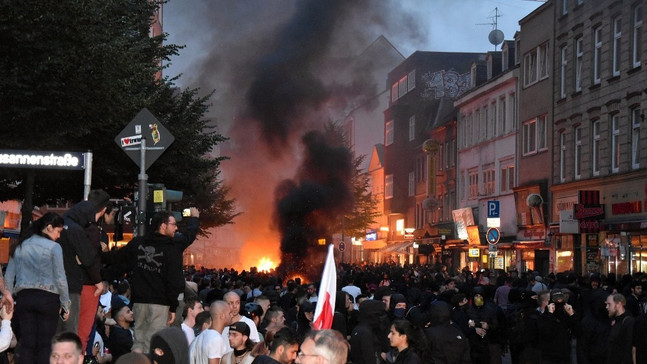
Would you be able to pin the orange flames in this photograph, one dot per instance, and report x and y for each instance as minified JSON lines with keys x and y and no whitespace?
{"x":266,"y":264}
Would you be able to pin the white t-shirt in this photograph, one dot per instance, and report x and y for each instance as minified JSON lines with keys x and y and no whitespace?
{"x":253,"y":331}
{"x":208,"y":345}
{"x":188,"y":332}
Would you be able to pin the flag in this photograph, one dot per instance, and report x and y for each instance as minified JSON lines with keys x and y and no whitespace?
{"x":327,"y":292}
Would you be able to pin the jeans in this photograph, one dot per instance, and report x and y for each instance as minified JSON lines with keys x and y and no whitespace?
{"x":37,"y":318}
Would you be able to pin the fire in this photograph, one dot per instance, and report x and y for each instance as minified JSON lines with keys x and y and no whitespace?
{"x":266,"y":264}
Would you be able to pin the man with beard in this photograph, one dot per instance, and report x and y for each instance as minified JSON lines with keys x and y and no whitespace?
{"x":621,"y":334}
{"x":283,"y":350}
{"x":634,"y":299}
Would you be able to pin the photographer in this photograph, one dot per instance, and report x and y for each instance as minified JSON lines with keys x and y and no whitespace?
{"x":556,"y":326}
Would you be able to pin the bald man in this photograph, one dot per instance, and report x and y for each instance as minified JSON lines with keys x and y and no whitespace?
{"x":210,"y":346}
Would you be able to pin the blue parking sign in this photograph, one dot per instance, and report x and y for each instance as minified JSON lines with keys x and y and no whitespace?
{"x":493,"y":209}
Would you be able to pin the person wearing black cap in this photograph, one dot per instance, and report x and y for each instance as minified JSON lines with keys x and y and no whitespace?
{"x":120,"y":339}
{"x":239,"y":341}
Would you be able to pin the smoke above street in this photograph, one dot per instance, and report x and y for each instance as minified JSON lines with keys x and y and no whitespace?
{"x":281,"y":70}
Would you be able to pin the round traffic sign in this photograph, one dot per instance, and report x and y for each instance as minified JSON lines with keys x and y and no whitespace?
{"x":493,"y":235}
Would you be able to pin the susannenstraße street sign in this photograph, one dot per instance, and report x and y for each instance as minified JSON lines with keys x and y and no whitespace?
{"x":144,"y":125}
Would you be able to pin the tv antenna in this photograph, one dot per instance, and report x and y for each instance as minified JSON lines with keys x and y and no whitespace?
{"x":496,"y":35}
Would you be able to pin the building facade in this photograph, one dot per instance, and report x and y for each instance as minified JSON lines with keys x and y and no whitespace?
{"x":599,"y":178}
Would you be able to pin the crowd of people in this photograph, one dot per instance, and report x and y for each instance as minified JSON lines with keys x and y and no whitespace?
{"x":66,"y":298}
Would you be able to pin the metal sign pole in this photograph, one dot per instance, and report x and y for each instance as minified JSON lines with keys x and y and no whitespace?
{"x":143,"y":183}
{"x":87,"y":177}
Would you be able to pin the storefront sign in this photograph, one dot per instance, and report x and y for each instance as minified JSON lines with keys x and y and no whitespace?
{"x":41,"y":159}
{"x":473,"y":235}
{"x":632,"y":207}
{"x":582,"y":211}
{"x":474,"y":253}
{"x":462,"y":219}
{"x":567,"y":224}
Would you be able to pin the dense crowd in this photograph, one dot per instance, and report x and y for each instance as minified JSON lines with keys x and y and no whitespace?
{"x":75,"y":301}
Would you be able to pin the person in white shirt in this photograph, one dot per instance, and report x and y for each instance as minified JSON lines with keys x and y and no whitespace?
{"x":192,"y":307}
{"x":233,"y":299}
{"x":210,"y":346}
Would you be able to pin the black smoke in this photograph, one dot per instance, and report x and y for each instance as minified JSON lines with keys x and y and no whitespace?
{"x":311,"y":204}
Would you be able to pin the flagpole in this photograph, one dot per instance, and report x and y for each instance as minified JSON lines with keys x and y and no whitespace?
{"x":325,"y":308}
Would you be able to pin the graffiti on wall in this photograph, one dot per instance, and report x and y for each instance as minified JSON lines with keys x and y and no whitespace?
{"x":444,"y":84}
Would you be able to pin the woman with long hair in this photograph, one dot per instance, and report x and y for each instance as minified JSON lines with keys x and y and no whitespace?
{"x":404,"y":337}
{"x":36,"y":277}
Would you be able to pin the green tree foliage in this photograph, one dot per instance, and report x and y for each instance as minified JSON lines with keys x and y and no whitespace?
{"x":364,"y":210}
{"x":74,"y":73}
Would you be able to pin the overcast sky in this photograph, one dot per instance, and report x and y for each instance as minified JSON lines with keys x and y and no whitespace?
{"x":440,"y":25}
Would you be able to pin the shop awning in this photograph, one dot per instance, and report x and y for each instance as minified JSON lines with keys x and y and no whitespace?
{"x":398,"y":247}
{"x":373,"y":244}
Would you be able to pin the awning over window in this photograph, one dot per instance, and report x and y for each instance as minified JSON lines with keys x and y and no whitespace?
{"x":374,"y":244}
{"x":398,"y":247}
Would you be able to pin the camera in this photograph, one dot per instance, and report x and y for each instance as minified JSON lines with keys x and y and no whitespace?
{"x":186,"y":212}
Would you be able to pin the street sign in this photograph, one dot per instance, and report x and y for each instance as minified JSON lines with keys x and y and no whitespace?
{"x":493,"y":209}
{"x":342,"y":246}
{"x":493,"y":235}
{"x":144,"y":125}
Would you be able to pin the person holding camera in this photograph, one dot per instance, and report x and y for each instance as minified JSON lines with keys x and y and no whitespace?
{"x":556,"y":326}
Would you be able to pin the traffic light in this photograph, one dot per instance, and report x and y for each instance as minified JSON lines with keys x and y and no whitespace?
{"x":161,"y":199}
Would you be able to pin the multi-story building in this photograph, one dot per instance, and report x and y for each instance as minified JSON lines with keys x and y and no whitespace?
{"x":599,"y":178}
{"x":423,"y":88}
{"x":535,"y":47}
{"x":487,"y":161}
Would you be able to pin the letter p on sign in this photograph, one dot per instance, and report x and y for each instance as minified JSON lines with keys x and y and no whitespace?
{"x":492,"y":209}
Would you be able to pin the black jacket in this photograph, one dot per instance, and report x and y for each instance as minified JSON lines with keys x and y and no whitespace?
{"x":120,"y":341}
{"x":156,"y":266}
{"x":75,"y":243}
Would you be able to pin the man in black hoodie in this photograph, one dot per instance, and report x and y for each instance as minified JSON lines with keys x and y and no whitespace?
{"x":157,"y":279}
{"x":79,"y":255}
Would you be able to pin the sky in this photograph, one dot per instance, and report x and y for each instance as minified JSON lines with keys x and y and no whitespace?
{"x":276,"y":69}
{"x":440,"y":25}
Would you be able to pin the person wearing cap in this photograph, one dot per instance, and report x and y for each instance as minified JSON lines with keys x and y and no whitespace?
{"x":304,"y":319}
{"x":233,"y":299}
{"x":120,"y":339}
{"x":240,"y":343}
{"x":556,"y":325}
{"x":538,"y":284}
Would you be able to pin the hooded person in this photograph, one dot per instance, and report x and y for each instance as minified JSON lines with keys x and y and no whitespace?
{"x":369,"y":338}
{"x":398,"y":306}
{"x":80,"y":257}
{"x":169,"y":346}
{"x":445,"y":341}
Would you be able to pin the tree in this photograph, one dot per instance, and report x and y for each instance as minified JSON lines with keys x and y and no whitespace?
{"x":364,"y":210}
{"x":74,"y":74}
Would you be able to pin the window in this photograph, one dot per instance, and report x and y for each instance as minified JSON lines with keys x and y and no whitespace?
{"x":562,"y":156}
{"x":473,"y":75}
{"x":615,"y":143}
{"x":597,"y":54}
{"x":388,"y":186}
{"x":501,"y":115}
{"x":402,"y":86}
{"x":595,"y":147}
{"x":474,"y":184}
{"x":530,"y":68}
{"x":636,"y":48}
{"x":411,"y":80}
{"x":544,"y":61}
{"x":578,"y":151}
{"x":564,"y":7}
{"x":493,"y":119}
{"x":635,"y":137}
{"x":617,"y":33}
{"x":579,"y":55}
{"x":412,"y":127}
{"x":507,"y":176}
{"x":562,"y":75}
{"x":388,"y":133}
{"x":534,"y":135}
{"x":412,"y":184}
{"x":488,"y":181}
